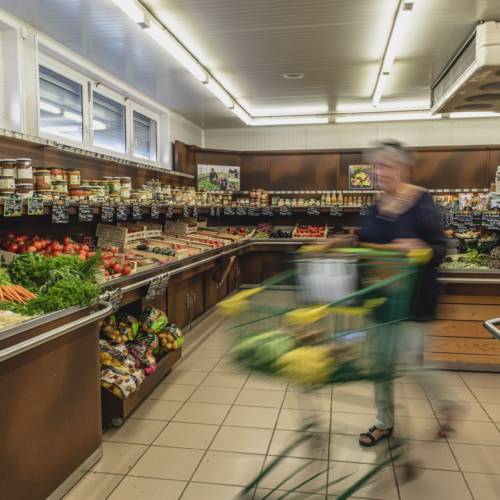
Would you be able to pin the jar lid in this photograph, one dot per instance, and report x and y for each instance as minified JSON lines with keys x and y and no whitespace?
{"x":8,"y":160}
{"x":23,"y":159}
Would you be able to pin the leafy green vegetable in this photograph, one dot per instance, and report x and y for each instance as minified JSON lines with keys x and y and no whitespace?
{"x":4,"y":277}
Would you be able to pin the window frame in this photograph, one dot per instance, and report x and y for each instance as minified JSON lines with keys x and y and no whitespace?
{"x":74,"y":76}
{"x":152,"y":116}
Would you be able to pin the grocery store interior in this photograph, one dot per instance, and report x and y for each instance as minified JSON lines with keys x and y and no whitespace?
{"x":250,"y":249}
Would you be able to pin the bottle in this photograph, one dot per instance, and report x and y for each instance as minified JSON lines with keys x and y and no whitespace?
{"x":497,"y":180}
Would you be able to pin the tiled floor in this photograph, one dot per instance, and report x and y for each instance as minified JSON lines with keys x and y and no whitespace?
{"x":209,"y":428}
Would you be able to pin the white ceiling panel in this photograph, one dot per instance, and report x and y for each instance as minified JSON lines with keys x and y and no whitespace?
{"x":249,"y":44}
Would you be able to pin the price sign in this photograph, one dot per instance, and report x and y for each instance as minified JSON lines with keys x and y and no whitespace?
{"x":211,"y":211}
{"x":336,"y":211}
{"x":169,"y":213}
{"x":364,"y":210}
{"x":241,"y":211}
{"x":35,"y":206}
{"x":194,"y":212}
{"x":491,"y":222}
{"x":267,"y":212}
{"x":285,"y":211}
{"x":157,"y":287}
{"x":114,"y":297}
{"x":462,"y":223}
{"x":85,"y":213}
{"x":312,"y":211}
{"x":186,"y":212}
{"x":155,"y":210}
{"x":121,"y":212}
{"x":218,"y":211}
{"x":136,"y":211}
{"x":228,"y":211}
{"x":60,"y":212}
{"x":13,"y":207}
{"x":253,"y":212}
{"x":107,"y":213}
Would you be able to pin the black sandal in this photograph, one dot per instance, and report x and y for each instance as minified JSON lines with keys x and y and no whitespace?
{"x":373,"y":440}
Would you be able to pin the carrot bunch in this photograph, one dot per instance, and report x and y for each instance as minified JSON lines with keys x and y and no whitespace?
{"x":15,"y":293}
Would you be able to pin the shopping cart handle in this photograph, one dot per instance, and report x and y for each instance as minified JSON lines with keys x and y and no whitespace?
{"x":489,"y":324}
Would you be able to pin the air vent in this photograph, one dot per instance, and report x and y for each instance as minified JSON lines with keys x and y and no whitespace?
{"x":471,"y":82}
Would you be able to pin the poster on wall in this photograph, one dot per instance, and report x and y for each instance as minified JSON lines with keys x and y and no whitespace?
{"x":361,"y":176}
{"x":217,"y":178}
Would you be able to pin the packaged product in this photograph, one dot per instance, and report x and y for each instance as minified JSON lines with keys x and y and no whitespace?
{"x":153,"y":320}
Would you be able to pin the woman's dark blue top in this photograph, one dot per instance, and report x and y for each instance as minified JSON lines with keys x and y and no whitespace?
{"x":422,"y":221}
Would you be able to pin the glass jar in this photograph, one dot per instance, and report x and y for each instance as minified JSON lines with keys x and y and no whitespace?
{"x":24,"y":190}
{"x":24,"y":171}
{"x":57,"y":175}
{"x":43,"y":179}
{"x":8,"y":168}
{"x":60,"y":187}
{"x":7,"y":185}
{"x":46,"y":195}
{"x":73,"y":178}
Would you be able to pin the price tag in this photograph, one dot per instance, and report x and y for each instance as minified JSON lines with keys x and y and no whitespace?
{"x":155,"y":210}
{"x":85,"y":213}
{"x":336,"y":211}
{"x":194,"y":212}
{"x":13,"y":206}
{"x":114,"y":297}
{"x":35,"y":206}
{"x":186,"y":212}
{"x":228,"y":211}
{"x":463,"y":223}
{"x":312,"y":211}
{"x":218,"y":212}
{"x":253,"y":212}
{"x":157,"y":286}
{"x":267,"y":212}
{"x":121,"y":212}
{"x":60,"y":212}
{"x":364,"y":210}
{"x":241,"y":211}
{"x":169,"y":213}
{"x":136,"y":211}
{"x":285,"y":211}
{"x":211,"y":211}
{"x":107,"y":213}
{"x":491,"y":222}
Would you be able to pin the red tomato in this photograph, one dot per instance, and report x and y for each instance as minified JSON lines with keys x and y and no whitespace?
{"x":68,"y":248}
{"x":82,"y":257}
{"x":13,"y":247}
{"x":91,"y":254}
{"x":114,"y":250}
{"x":56,"y":253}
{"x":31,"y":249}
{"x":83,"y":253}
{"x":85,"y":248}
{"x":126,"y":270}
{"x":106,"y":263}
{"x":76,"y":247}
{"x":38,"y":245}
{"x":117,"y":268}
{"x":67,"y":240}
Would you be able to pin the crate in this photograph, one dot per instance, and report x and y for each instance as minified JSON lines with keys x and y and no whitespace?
{"x":119,"y":236}
{"x":150,"y":230}
{"x":6,"y":257}
{"x":324,"y":237}
{"x":182,"y":226}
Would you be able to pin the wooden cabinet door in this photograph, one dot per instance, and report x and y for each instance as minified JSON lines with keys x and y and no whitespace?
{"x":178,"y":302}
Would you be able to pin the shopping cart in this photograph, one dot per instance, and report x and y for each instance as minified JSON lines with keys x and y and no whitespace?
{"x":332,"y":319}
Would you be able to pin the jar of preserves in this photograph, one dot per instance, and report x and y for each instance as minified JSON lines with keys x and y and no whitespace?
{"x":60,"y":187}
{"x":73,"y":178}
{"x":43,"y":179}
{"x":8,"y":168}
{"x":24,"y":190}
{"x":24,"y":171}
{"x":7,"y":185}
{"x":46,"y":195}
{"x":57,"y":174}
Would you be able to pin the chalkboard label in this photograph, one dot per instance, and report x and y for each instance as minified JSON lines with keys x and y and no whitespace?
{"x":491,"y":222}
{"x":121,"y":212}
{"x":186,"y":212}
{"x":136,"y":211}
{"x":13,"y":207}
{"x":253,"y":212}
{"x":194,"y":212}
{"x":157,"y":287}
{"x":60,"y":212}
{"x":35,"y":206}
{"x":85,"y":213}
{"x":211,"y":211}
{"x":155,"y":210}
{"x":169,"y":212}
{"x":336,"y":211}
{"x":241,"y":211}
{"x":364,"y":210}
{"x":285,"y":211}
{"x":462,"y":223}
{"x":267,"y":212}
{"x":228,"y":211}
{"x":107,"y":213}
{"x":312,"y":211}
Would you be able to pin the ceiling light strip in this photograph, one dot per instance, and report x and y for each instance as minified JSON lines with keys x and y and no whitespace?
{"x":386,"y":117}
{"x":289,"y":120}
{"x":399,"y":27}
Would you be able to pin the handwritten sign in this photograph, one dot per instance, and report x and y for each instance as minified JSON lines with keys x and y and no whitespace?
{"x":85,"y":213}
{"x":155,"y":210}
{"x":35,"y":206}
{"x":121,"y":212}
{"x":241,"y":211}
{"x":491,"y":222}
{"x":312,"y":211}
{"x":136,"y":211}
{"x":336,"y":211}
{"x":267,"y":212}
{"x":60,"y":212}
{"x":157,"y":287}
{"x":107,"y":213}
{"x":13,"y":207}
{"x":169,"y":213}
{"x":228,"y":211}
{"x":253,"y":212}
{"x":285,"y":211}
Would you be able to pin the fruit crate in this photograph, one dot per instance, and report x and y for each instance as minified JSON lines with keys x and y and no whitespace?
{"x":118,"y":236}
{"x":298,"y":226}
{"x":184,"y":226}
{"x":150,"y":230}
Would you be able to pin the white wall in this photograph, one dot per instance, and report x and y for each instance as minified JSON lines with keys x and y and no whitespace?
{"x":444,"y":132}
{"x":185,"y":131}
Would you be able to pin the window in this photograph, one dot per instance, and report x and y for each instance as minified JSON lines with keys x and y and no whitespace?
{"x":144,"y":137}
{"x":108,"y":123}
{"x":61,"y":109}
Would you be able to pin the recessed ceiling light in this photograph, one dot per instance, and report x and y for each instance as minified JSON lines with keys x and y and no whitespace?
{"x":293,"y":76}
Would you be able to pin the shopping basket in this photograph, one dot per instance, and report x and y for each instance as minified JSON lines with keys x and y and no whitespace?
{"x":332,"y":319}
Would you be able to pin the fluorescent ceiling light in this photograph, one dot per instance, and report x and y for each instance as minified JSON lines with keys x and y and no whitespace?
{"x":474,"y":114}
{"x":170,"y":43}
{"x":98,"y":125}
{"x":133,"y":10}
{"x":289,"y":120}
{"x":320,"y":109}
{"x":50,"y":108}
{"x":219,"y":92}
{"x":386,"y":117}
{"x":75,"y":117}
{"x":242,"y":114}
{"x":399,"y":28}
{"x":386,"y":105}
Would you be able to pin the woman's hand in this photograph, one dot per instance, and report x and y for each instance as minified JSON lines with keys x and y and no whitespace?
{"x":406,"y":244}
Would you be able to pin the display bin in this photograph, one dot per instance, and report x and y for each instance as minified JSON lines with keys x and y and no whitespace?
{"x":115,"y":410}
{"x":50,"y":411}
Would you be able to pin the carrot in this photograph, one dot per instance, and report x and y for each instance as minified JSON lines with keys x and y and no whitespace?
{"x":23,"y":292}
{"x":1,"y":294}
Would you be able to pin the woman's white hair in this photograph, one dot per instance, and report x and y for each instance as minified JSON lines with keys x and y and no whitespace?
{"x":388,"y":152}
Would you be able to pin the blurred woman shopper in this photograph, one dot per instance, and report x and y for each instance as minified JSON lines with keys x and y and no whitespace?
{"x":405,"y":217}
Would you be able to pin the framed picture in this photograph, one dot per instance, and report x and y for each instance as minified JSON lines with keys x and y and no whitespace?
{"x":217,"y":178}
{"x":361,"y":176}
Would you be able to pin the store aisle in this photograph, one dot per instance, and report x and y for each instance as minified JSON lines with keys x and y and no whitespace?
{"x":208,"y":429}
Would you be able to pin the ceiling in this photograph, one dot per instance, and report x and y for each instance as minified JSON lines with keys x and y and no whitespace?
{"x":248,"y":44}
